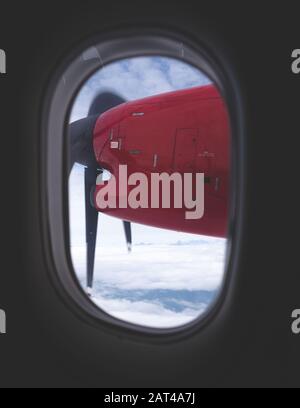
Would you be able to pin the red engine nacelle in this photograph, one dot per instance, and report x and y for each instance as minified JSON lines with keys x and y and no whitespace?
{"x":184,"y":132}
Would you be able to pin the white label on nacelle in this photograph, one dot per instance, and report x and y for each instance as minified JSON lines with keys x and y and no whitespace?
{"x":114,"y":145}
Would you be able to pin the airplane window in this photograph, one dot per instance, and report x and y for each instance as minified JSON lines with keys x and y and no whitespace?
{"x":149,"y":179}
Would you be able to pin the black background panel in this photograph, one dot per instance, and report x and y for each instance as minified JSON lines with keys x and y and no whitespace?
{"x":249,"y":342}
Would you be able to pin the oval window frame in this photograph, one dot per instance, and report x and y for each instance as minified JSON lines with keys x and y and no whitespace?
{"x":62,"y":91}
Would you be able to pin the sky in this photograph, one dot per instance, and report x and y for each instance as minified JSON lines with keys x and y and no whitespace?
{"x":170,"y":278}
{"x":138,"y":78}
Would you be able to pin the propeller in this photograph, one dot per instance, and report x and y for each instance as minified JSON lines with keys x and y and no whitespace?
{"x":81,"y":151}
{"x":128,"y":234}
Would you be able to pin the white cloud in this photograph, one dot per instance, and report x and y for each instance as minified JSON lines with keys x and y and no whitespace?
{"x":156,"y":267}
{"x":146,"y":313}
{"x":137,"y":78}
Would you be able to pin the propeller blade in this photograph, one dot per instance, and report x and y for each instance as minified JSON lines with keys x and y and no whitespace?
{"x":103,"y":102}
{"x":128,"y":234}
{"x":91,"y":225}
{"x":81,"y":132}
{"x":81,"y":149}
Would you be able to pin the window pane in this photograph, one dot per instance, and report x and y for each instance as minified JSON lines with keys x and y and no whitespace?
{"x":175,"y":269}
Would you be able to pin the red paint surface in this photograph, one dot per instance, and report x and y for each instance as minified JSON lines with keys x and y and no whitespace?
{"x":188,"y":131}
